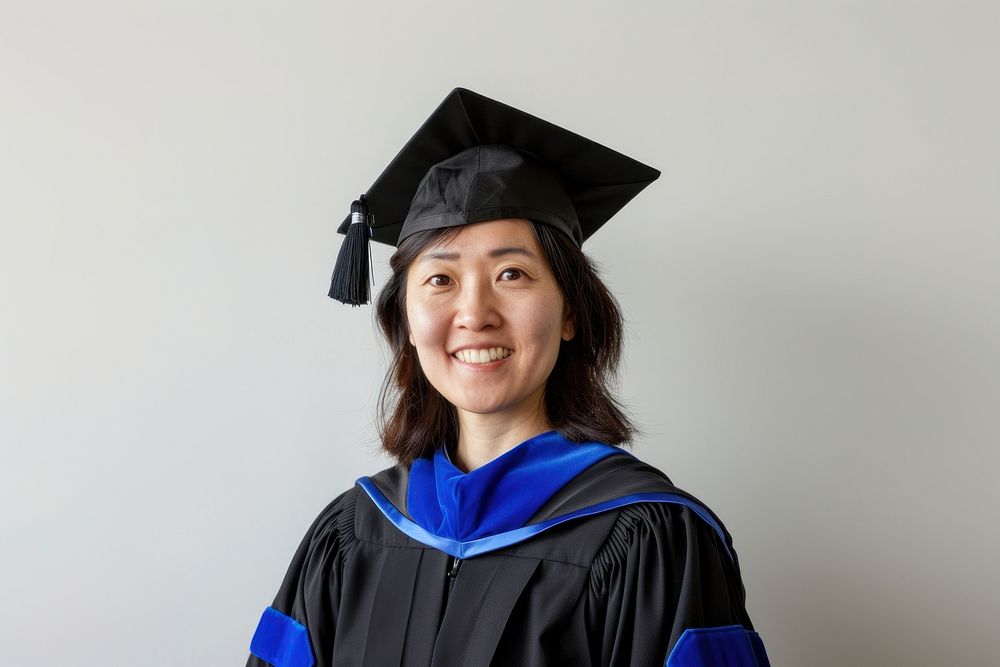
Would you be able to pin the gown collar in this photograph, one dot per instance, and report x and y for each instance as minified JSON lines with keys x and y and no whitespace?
{"x":501,"y":495}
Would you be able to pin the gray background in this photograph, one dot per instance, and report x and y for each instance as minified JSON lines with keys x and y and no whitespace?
{"x":811,"y":290}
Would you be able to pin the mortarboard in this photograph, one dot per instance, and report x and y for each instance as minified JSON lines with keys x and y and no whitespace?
{"x":475,"y":159}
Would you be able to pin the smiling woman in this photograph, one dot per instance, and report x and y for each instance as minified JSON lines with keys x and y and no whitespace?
{"x":513,"y":529}
{"x":509,"y":284}
{"x":463,"y":303}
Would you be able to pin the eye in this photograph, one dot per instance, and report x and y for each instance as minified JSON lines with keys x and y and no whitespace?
{"x":440,"y":280}
{"x":513,"y":273}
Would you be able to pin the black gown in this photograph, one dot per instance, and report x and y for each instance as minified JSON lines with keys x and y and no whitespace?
{"x":617,"y":583}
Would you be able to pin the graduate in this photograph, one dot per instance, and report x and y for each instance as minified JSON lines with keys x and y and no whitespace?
{"x":514,"y":529}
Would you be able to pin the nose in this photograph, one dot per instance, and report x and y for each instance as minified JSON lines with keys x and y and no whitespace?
{"x":476,"y":308}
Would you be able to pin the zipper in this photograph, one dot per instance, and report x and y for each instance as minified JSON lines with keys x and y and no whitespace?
{"x":453,"y":572}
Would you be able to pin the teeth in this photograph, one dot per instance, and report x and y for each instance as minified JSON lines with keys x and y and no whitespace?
{"x":482,"y":356}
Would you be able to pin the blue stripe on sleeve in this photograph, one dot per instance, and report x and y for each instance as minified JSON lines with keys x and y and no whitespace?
{"x":281,"y":641}
{"x":725,"y":646}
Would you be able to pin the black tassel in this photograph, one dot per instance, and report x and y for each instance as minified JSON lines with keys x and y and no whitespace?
{"x":352,"y":274}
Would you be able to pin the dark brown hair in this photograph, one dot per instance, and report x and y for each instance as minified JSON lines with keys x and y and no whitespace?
{"x":414,"y":418}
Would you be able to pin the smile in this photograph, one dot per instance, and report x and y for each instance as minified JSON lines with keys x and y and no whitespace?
{"x":483,"y":356}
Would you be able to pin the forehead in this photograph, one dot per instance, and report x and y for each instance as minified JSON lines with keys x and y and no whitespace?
{"x":482,"y":238}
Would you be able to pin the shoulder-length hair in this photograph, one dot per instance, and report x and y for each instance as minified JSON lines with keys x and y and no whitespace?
{"x":414,"y":419}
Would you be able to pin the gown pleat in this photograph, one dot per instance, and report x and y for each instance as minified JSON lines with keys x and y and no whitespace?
{"x":391,"y":607}
{"x":426,"y":609}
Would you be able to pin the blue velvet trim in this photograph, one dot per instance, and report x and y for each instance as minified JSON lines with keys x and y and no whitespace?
{"x":464,"y":506}
{"x":281,"y":641}
{"x":477,"y":547}
{"x":725,"y":646}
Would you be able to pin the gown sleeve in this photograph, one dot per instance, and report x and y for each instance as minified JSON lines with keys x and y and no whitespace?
{"x":664,"y":584}
{"x":297,"y":630}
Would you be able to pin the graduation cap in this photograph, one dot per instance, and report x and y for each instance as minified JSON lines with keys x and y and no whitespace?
{"x":473,"y":160}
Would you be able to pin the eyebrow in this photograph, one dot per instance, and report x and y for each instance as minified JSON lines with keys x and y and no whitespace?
{"x":496,"y":252}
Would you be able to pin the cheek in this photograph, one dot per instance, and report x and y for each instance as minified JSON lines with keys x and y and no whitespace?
{"x":543,"y":324}
{"x":426,"y":324}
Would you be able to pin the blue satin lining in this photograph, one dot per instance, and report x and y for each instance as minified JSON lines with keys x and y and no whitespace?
{"x":281,"y":641}
{"x":477,"y":547}
{"x":725,"y":646}
{"x":460,"y":506}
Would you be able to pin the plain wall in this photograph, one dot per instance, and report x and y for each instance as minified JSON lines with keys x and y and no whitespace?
{"x":811,"y":289}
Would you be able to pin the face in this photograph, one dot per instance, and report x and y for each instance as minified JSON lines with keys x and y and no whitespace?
{"x":489,"y":287}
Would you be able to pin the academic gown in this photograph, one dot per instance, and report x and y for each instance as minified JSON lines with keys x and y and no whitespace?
{"x":555,"y":553}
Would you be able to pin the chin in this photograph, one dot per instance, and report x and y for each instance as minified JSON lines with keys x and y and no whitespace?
{"x":480,"y":407}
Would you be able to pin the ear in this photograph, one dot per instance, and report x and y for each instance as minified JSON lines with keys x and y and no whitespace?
{"x":568,"y":328}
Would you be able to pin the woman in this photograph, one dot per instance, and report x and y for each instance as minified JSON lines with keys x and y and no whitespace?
{"x":513,"y":530}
